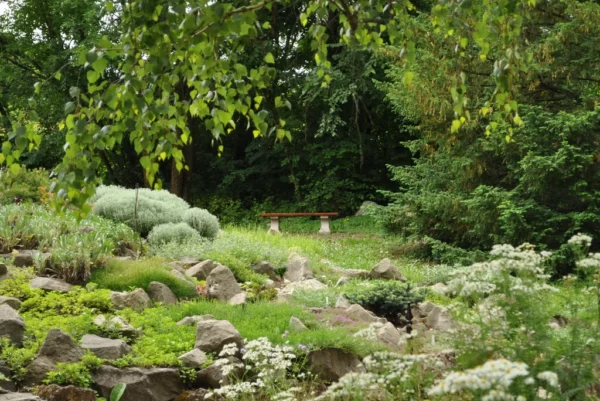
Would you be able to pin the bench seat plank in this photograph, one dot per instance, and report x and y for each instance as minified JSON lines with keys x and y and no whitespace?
{"x":327,"y":214}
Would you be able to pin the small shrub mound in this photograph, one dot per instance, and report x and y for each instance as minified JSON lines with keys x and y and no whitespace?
{"x":389,"y":299}
{"x":202,"y":221}
{"x":25,"y":186}
{"x":172,"y":232}
{"x":123,"y":275}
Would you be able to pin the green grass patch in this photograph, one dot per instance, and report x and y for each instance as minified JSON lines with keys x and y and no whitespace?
{"x":124,"y":275}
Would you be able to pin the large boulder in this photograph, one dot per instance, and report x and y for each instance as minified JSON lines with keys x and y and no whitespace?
{"x":221,"y":284}
{"x":11,"y":325}
{"x":24,"y":258}
{"x":342,"y":302}
{"x":202,"y":270}
{"x":267,"y":269}
{"x":360,"y":314}
{"x":19,"y":397}
{"x":156,"y":384}
{"x":58,"y":347}
{"x":159,"y":292}
{"x":213,"y":376}
{"x":238,"y":299}
{"x":213,"y":335}
{"x":50,"y":284}
{"x":10,"y":301}
{"x":388,"y":335}
{"x":137,"y":300}
{"x":193,"y":359}
{"x":105,"y":348}
{"x":68,"y":393}
{"x":387,"y":271}
{"x":330,"y":364}
{"x":298,"y":268}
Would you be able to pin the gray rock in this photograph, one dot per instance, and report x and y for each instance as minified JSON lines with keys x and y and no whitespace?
{"x":11,"y":325}
{"x":193,"y":359}
{"x":68,"y":393}
{"x":298,"y":268}
{"x":366,"y":205}
{"x":213,"y":377}
{"x":58,"y":347}
{"x":268,"y":284}
{"x":159,"y":292}
{"x":307,"y":285}
{"x":439,"y":319}
{"x":387,"y":271}
{"x":105,"y":348}
{"x":24,"y":258}
{"x":188,"y":261}
{"x":238,"y":299}
{"x":202,"y":270}
{"x":12,"y":302}
{"x":221,"y":284}
{"x":3,"y":269}
{"x":137,"y":300}
{"x":296,"y":324}
{"x":267,"y":269}
{"x":360,"y":314}
{"x":390,"y":336}
{"x":50,"y":284}
{"x":6,"y":385}
{"x":330,"y":364}
{"x":19,"y":397}
{"x":213,"y":335}
{"x":198,"y":394}
{"x":193,"y":320}
{"x":157,"y":384}
{"x":422,"y":310}
{"x":116,"y":323}
{"x":439,"y":288}
{"x":342,"y":302}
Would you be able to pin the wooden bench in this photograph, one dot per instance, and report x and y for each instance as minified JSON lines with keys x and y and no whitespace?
{"x":324,"y":220}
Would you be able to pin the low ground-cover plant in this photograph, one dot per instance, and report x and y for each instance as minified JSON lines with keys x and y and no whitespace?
{"x":123,"y":275}
{"x":24,"y":186}
{"x":77,"y":374}
{"x":390,"y":299}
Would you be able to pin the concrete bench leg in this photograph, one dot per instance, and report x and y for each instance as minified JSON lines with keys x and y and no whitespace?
{"x":324,"y":225}
{"x":274,"y":225}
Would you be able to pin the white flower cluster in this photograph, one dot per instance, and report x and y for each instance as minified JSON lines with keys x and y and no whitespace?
{"x":287,"y":395}
{"x":580,"y":240}
{"x":352,"y":385}
{"x":519,"y":267}
{"x":494,"y":379}
{"x":266,"y":360}
{"x":592,"y":262}
{"x":370,"y":333}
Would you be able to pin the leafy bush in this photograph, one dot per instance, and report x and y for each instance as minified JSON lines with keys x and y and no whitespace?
{"x":78,"y":374}
{"x":202,"y":221}
{"x":25,"y":186}
{"x":77,"y":245}
{"x":154,"y":207}
{"x":122,"y":275}
{"x":389,"y":299}
{"x":171,"y":232}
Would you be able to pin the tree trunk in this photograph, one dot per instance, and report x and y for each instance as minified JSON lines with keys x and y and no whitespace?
{"x":188,"y":152}
{"x":176,"y":179}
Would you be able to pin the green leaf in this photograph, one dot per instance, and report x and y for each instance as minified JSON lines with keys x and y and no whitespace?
{"x":74,"y":91}
{"x":69,"y":107}
{"x":145,"y":162}
{"x":303,"y":19}
{"x":58,"y":75}
{"x":269,"y":59}
{"x":15,"y":168}
{"x":117,"y":392}
{"x":92,"y":76}
{"x":100,"y":65}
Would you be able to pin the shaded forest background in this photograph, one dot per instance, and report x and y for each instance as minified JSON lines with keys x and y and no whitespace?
{"x":368,"y":136}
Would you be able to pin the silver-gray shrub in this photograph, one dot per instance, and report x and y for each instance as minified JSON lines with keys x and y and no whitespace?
{"x":153,"y":207}
{"x":206,"y":224}
{"x":172,"y":232}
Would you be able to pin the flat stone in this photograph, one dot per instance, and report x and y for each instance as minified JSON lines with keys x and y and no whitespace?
{"x":213,"y":335}
{"x":221,"y":284}
{"x":188,"y":261}
{"x":193,"y":359}
{"x":342,"y":302}
{"x":19,"y":397}
{"x":439,"y":319}
{"x":298,"y":268}
{"x":50,"y":284}
{"x":12,"y":325}
{"x":10,"y":301}
{"x":159,"y":292}
{"x":53,"y":392}
{"x":387,"y":271}
{"x":390,"y":336}
{"x":24,"y":258}
{"x":360,"y":314}
{"x":213,"y":377}
{"x":330,"y":364}
{"x":137,"y":300}
{"x":193,"y":320}
{"x":238,"y":299}
{"x":105,"y":348}
{"x":202,"y":270}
